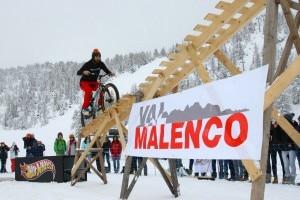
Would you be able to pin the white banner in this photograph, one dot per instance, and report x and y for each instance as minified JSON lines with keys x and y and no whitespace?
{"x":218,"y":120}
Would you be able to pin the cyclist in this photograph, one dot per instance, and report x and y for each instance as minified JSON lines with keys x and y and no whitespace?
{"x":88,"y":81}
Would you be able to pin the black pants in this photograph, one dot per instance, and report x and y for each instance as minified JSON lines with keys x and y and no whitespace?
{"x":3,"y":165}
{"x":272,"y":159}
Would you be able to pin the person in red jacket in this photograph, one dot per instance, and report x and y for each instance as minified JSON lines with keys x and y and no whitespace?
{"x":115,"y":151}
{"x":89,"y":73}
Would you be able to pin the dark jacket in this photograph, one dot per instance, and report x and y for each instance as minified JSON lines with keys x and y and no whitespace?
{"x":28,"y":142}
{"x":287,"y":143}
{"x":38,"y":150}
{"x":3,"y":151}
{"x":106,"y":146}
{"x":275,"y":135}
{"x":90,"y":65}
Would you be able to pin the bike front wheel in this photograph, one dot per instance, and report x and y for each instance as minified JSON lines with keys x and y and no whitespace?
{"x":110,"y":96}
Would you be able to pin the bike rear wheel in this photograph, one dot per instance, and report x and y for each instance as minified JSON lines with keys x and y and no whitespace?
{"x":110,"y":96}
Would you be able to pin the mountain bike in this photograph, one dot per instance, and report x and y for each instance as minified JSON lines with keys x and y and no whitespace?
{"x":105,"y":96}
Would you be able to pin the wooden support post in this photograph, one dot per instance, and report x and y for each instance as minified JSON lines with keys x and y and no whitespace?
{"x":135,"y":178}
{"x":167,"y":179}
{"x":175,"y":184}
{"x":269,"y":54}
{"x":287,"y":50}
{"x":126,"y":178}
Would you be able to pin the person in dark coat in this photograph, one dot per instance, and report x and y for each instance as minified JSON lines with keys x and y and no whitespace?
{"x":3,"y":156}
{"x":39,"y":150}
{"x":106,"y":152}
{"x":275,"y":147}
{"x":28,"y":141}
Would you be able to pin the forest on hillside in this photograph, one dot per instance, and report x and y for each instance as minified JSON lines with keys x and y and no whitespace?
{"x":31,"y":95}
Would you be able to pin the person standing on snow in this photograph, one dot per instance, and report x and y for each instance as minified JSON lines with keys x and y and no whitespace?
{"x":14,"y":150}
{"x":115,"y":150}
{"x":60,"y":145}
{"x":71,"y":146}
{"x":3,"y":156}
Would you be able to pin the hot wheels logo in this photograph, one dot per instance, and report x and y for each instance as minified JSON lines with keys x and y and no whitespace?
{"x":35,"y":170}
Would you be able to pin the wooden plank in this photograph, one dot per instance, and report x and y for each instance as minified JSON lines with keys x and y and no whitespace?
{"x":175,"y":184}
{"x":294,"y":5}
{"x":151,"y":92}
{"x":203,"y":73}
{"x":135,"y":178}
{"x":222,"y":5}
{"x":174,"y":81}
{"x":286,"y":126}
{"x":287,"y":49}
{"x":252,"y":170}
{"x":291,"y":24}
{"x":200,"y":28}
{"x":120,"y":130}
{"x":282,"y":82}
{"x":211,"y":17}
{"x":219,"y":22}
{"x":227,"y":62}
{"x":256,"y":8}
{"x":125,"y":180}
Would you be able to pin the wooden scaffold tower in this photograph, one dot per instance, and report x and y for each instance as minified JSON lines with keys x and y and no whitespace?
{"x":191,"y":56}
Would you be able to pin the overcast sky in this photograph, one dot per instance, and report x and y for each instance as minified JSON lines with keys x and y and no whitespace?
{"x":36,"y":31}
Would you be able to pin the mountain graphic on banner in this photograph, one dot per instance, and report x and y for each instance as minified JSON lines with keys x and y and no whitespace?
{"x":196,"y":111}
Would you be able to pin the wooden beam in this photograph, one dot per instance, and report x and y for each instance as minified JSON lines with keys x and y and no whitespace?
{"x":120,"y":129}
{"x":291,"y":24}
{"x":202,"y":72}
{"x":227,"y":62}
{"x":135,"y":179}
{"x":269,"y":55}
{"x":287,"y":50}
{"x":286,"y":126}
{"x":83,"y":155}
{"x":282,"y":82}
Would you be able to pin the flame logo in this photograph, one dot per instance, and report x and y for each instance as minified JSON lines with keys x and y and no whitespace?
{"x":35,"y":170}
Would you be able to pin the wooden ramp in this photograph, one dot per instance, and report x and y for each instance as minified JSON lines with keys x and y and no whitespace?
{"x":191,"y":56}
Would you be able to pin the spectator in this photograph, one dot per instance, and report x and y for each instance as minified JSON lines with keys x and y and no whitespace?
{"x":71,"y":146}
{"x":29,"y":153}
{"x":60,"y":145}
{"x":298,"y":147}
{"x":232,"y":170}
{"x":202,"y":167}
{"x":289,"y":154}
{"x":39,"y":150}
{"x":28,"y":141}
{"x":86,"y":142}
{"x":3,"y":156}
{"x":115,"y":150}
{"x":133,"y":165}
{"x":34,"y":141}
{"x":105,"y":153}
{"x":14,"y":150}
{"x":95,"y":153}
{"x":274,"y":147}
{"x":191,"y":163}
{"x":214,"y":164}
